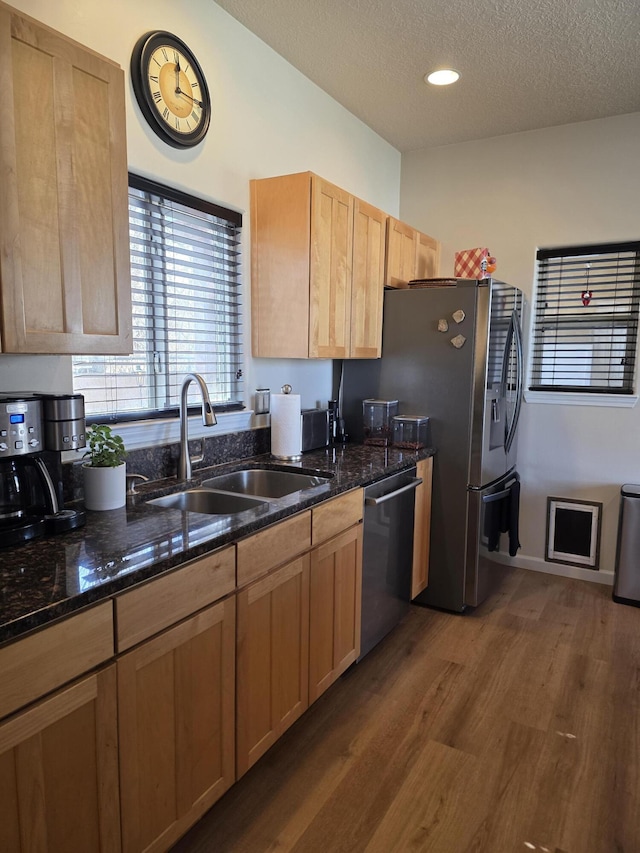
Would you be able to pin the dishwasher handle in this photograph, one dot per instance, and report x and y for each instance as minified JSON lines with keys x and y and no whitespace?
{"x":413,"y":484}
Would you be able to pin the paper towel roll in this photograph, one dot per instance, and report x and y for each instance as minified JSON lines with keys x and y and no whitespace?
{"x":286,"y":429}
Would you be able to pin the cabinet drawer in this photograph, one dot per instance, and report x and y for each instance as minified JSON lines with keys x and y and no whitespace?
{"x":31,"y":667}
{"x":265,"y":550}
{"x":164,"y":601}
{"x":338,"y":514}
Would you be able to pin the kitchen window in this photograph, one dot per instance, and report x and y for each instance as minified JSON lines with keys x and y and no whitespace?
{"x":186,"y":308}
{"x":585,"y":324}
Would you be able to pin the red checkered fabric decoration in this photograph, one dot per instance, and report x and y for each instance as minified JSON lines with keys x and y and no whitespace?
{"x":471,"y":263}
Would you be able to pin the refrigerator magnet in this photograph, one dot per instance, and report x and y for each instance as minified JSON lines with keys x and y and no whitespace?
{"x":443,"y":325}
{"x":458,"y":315}
{"x":459,"y":341}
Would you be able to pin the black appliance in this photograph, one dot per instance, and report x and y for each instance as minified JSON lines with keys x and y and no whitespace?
{"x":387,"y":555}
{"x":34,"y":428}
{"x":454,"y":353}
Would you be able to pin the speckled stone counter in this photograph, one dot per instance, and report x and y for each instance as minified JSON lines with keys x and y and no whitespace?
{"x":50,"y":578}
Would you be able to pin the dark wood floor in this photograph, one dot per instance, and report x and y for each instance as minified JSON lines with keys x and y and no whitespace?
{"x":515,"y":727}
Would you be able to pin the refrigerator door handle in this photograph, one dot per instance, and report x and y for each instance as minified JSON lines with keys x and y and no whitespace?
{"x":514,"y":334}
{"x":496,"y":496}
{"x":517,"y":336}
{"x":415,"y":482}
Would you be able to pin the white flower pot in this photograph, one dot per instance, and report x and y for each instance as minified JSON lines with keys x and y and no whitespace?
{"x":105,"y":488}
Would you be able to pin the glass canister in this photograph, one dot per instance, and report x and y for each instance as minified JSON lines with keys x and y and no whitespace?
{"x":411,"y":431}
{"x":377,"y":420}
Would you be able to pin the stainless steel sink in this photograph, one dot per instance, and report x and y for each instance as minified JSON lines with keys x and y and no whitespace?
{"x":265,"y":483}
{"x":206,"y":501}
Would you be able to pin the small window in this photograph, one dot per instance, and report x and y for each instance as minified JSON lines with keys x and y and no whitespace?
{"x":186,"y":306}
{"x":585,"y":328}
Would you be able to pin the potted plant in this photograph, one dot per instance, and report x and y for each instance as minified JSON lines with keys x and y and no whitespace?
{"x":105,"y":471}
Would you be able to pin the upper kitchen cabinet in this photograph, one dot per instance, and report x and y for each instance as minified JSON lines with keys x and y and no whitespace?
{"x":410,"y":254}
{"x":317,"y":269}
{"x":367,"y":287}
{"x":64,"y":241}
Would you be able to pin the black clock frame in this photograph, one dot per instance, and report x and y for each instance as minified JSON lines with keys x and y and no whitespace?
{"x":139,"y":65}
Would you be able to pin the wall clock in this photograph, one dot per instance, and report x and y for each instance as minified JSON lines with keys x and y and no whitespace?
{"x":171,"y":89}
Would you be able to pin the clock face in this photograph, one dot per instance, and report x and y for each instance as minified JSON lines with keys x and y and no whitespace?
{"x":170,"y":89}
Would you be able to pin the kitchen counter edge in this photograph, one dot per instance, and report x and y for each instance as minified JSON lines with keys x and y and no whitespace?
{"x":50,"y":579}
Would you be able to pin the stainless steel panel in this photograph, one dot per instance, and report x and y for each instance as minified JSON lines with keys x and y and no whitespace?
{"x":20,"y":426}
{"x":483,"y":572}
{"x":65,"y":435}
{"x":264,"y":483}
{"x":462,"y":392}
{"x":387,"y":555}
{"x":626,"y":586}
{"x":314,"y":428}
{"x":63,"y":407}
{"x":503,"y":386}
{"x":209,"y":502}
{"x":481,"y":455}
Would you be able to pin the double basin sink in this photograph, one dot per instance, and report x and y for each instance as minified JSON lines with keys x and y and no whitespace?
{"x":239,"y":491}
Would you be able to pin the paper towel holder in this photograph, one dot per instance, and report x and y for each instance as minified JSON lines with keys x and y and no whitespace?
{"x":286,"y":389}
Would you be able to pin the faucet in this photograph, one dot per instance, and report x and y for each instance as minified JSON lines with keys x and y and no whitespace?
{"x":208,"y":419}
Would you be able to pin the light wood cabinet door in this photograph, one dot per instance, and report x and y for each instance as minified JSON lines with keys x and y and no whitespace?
{"x":54,"y":656}
{"x":59,"y":772}
{"x":330,"y":284}
{"x":64,"y":241}
{"x":422,"y":528}
{"x":401,"y":253}
{"x":335,"y":595}
{"x":280,"y":234}
{"x":176,"y":727}
{"x":427,"y":257}
{"x":410,"y":254}
{"x":272,"y":659}
{"x":317,"y":268}
{"x":367,"y":281}
{"x":335,"y":515}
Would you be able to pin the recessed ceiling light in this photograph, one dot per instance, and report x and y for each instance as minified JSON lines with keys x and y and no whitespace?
{"x":443,"y":77}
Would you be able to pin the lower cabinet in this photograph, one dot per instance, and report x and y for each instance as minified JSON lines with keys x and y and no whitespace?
{"x":176,"y":727}
{"x":59,"y":771}
{"x":298,"y":631}
{"x":272,"y":659}
{"x":335,"y":594}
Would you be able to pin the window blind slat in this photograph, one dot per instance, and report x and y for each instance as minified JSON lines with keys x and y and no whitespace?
{"x":585,"y":328}
{"x":186,"y":307}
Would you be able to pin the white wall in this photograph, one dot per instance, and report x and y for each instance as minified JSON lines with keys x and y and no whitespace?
{"x":268,"y":119}
{"x":560,"y":186}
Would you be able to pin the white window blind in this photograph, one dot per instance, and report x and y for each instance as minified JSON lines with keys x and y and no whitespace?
{"x":187,"y":310}
{"x":585,"y":328}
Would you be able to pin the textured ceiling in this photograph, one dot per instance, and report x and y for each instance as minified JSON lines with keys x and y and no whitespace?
{"x":524,"y":64}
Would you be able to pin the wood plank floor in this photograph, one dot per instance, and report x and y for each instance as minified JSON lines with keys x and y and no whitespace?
{"x":515,"y":727}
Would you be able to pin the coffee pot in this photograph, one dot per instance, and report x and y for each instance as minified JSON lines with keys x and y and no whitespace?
{"x":33,"y":429}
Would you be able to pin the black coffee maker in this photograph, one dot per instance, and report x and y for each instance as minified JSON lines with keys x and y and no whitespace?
{"x":34,"y":428}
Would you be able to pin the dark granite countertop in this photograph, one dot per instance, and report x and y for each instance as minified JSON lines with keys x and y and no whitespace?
{"x":50,"y":578}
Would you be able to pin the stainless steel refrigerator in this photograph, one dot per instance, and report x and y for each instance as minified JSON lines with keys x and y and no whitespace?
{"x":453,"y":352}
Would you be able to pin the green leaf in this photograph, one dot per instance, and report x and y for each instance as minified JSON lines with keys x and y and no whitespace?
{"x":106,"y":449}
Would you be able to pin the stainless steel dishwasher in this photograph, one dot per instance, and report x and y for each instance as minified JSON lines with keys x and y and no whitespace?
{"x":387,"y":555}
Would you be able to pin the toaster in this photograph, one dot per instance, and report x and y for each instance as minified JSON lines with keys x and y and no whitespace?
{"x":315,"y":428}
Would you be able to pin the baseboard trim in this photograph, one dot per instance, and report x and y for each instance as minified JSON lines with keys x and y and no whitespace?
{"x":535,"y":564}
